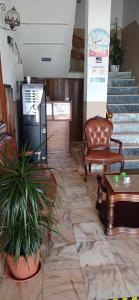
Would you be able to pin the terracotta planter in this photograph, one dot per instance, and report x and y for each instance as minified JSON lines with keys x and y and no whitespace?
{"x":23,"y":269}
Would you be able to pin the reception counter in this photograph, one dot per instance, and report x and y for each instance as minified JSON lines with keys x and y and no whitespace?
{"x":58,"y":118}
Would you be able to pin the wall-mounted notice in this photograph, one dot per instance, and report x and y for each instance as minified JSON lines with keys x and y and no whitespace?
{"x":98,"y":54}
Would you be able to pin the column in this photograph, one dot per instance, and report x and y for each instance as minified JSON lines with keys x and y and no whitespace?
{"x":97,"y":38}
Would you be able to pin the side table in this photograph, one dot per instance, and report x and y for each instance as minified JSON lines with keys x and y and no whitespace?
{"x":119,"y":210}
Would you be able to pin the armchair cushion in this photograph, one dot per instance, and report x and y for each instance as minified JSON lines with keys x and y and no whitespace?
{"x":103,"y":156}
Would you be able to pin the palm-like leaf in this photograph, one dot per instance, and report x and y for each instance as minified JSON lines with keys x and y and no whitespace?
{"x":24,"y":193}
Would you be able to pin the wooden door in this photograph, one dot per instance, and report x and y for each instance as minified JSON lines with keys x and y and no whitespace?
{"x":76,"y":96}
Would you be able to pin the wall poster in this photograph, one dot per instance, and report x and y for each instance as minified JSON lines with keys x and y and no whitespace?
{"x":98,"y":56}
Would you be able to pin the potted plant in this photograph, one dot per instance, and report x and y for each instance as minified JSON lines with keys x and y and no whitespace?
{"x":26,"y":217}
{"x":116,"y":49}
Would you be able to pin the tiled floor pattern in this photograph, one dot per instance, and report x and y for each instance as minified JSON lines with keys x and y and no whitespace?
{"x":82,"y":263}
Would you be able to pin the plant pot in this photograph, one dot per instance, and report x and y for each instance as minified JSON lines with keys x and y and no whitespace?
{"x":114,"y":68}
{"x":23,"y":269}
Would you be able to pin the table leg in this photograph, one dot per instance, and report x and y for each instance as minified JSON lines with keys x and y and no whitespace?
{"x":110,"y":215}
{"x":99,"y":189}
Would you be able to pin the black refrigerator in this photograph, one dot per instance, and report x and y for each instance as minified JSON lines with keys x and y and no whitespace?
{"x":34,"y":120}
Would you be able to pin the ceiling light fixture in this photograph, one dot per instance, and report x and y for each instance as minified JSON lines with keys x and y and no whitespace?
{"x":3,"y":7}
{"x":12,"y":18}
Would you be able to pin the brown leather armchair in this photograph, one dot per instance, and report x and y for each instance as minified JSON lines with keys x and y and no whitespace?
{"x":98,"y":132}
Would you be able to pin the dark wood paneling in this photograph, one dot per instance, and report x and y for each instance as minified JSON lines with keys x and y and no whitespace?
{"x":2,"y":98}
{"x":76,"y":96}
{"x":59,"y":90}
{"x":10,"y":109}
{"x":56,"y":89}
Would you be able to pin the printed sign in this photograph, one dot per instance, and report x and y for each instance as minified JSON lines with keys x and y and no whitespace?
{"x":98,"y":54}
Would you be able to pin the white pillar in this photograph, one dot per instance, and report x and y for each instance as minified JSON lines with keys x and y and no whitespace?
{"x":97,"y":36}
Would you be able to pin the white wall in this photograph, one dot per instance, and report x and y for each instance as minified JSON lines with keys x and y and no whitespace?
{"x":130,"y":11}
{"x":117,"y":11}
{"x":80,"y":15}
{"x":97,"y":16}
{"x":9,"y":56}
{"x":46,"y":31}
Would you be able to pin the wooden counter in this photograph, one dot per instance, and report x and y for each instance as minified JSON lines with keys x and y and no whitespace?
{"x":58,"y":128}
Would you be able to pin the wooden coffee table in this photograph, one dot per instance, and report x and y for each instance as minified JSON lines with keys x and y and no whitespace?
{"x":119,"y":210}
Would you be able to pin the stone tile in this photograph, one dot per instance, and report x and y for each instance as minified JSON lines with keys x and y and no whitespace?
{"x":122,"y":236}
{"x":2,"y":264}
{"x":64,"y":236}
{"x":12,"y":290}
{"x":62,"y":197}
{"x":76,"y":191}
{"x":130,"y":275}
{"x":70,"y":182}
{"x":63,"y":285}
{"x":86,"y":215}
{"x":72,"y":176}
{"x":86,"y":232}
{"x":62,"y":258}
{"x":96,"y":253}
{"x":125,"y":251}
{"x":78,"y":202}
{"x":104,"y":283}
{"x":62,"y":215}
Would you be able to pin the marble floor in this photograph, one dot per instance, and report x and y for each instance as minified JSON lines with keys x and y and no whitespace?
{"x":81,"y":263}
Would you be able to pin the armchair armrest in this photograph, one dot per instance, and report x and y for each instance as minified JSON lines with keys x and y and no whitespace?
{"x":118,"y":142}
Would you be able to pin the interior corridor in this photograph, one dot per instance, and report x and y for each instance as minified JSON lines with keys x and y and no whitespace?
{"x":82,"y":263}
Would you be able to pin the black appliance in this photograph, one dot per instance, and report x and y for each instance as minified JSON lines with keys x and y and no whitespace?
{"x":34,"y":120}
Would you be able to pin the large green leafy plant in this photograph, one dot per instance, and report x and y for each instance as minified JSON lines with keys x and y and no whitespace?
{"x":116,"y":49}
{"x":24,"y":195}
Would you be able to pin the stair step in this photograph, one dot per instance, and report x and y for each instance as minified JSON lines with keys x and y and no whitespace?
{"x":123,"y":102}
{"x":115,"y":82}
{"x":127,"y":149}
{"x":127,"y":137}
{"x":126,"y":90}
{"x":123,"y":99}
{"x":123,"y":108}
{"x":132,"y":158}
{"x":121,"y":74}
{"x":125,"y":117}
{"x":132,"y":162}
{"x":126,"y":126}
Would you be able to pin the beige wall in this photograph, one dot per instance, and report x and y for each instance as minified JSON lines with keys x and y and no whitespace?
{"x":130,"y":40}
{"x":96,"y":109}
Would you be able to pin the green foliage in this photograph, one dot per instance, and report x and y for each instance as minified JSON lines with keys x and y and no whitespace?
{"x":116,"y":49}
{"x":23,"y":196}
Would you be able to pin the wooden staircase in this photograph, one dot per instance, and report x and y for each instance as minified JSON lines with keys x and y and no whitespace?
{"x":77,"y":53}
